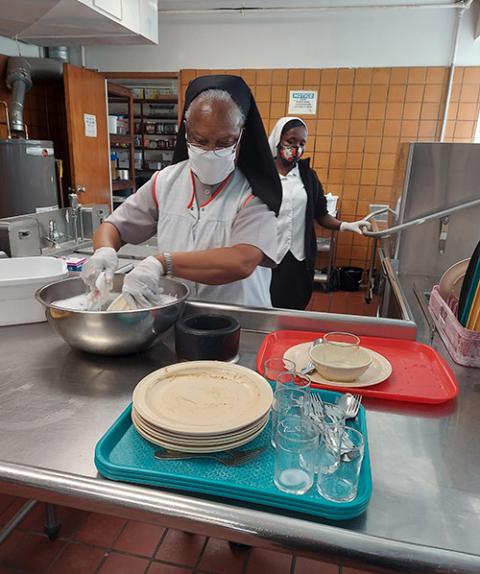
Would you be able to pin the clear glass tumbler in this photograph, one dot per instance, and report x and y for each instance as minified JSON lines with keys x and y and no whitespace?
{"x":292,"y":380}
{"x":296,"y":449}
{"x":340,"y":348}
{"x":289,"y":401}
{"x":274,"y":366}
{"x":340,"y":461}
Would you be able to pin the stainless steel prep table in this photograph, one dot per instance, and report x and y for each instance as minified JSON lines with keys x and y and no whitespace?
{"x":425,"y":512}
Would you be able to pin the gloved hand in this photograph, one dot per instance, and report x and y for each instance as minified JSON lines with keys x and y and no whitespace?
{"x":141,"y":286}
{"x":355,"y":226}
{"x":105,"y":259}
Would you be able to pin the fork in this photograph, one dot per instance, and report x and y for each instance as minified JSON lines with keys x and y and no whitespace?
{"x":352,"y":407}
{"x":231,"y":459}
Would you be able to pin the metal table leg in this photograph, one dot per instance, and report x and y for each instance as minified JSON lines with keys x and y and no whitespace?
{"x":15,"y":520}
{"x":51,"y":525}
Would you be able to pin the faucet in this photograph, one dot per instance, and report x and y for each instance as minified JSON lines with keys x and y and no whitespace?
{"x":75,"y":209}
{"x":53,"y":234}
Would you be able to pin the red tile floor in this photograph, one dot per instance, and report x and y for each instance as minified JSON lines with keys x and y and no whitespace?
{"x":91,"y":543}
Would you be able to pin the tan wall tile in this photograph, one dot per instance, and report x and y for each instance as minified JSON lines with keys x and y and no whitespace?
{"x":414,"y":93}
{"x":342,"y":111}
{"x":354,"y":160}
{"x":411,"y":111}
{"x":373,"y":144}
{"x":323,"y":144}
{"x":279,"y":77}
{"x":325,"y":110}
{"x":264,"y":77}
{"x":358,"y":127}
{"x":375,"y":127}
{"x":417,"y":75}
{"x":434,"y":93}
{"x":312,"y":77}
{"x":378,"y":93}
{"x":359,"y":111}
{"x":296,"y":77}
{"x":370,"y":161}
{"x":263,"y":93}
{"x":346,"y":76}
{"x":381,"y":75}
{"x":356,"y":143}
{"x":436,"y":75}
{"x":376,"y":111}
{"x":464,"y":129}
{"x":399,"y":76}
{"x":397,"y":93}
{"x":341,"y":127}
{"x":467,"y":111}
{"x":394,"y":110}
{"x":329,"y":76}
{"x":471,"y":75}
{"x":249,"y":76}
{"x":324,"y":127}
{"x":427,"y":129}
{"x":361,"y":93}
{"x":344,"y":93}
{"x":326,"y":93}
{"x":363,"y":75}
{"x":469,"y":93}
{"x":279,"y":93}
{"x":339,"y":144}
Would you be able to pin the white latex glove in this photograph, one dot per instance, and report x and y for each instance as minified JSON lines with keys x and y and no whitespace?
{"x":105,"y":259}
{"x":355,"y":226}
{"x":141,"y":286}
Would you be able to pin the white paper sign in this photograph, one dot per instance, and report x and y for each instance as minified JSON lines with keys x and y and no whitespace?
{"x":302,"y":102}
{"x":90,"y":122}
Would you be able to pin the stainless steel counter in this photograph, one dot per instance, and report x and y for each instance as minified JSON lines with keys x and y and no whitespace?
{"x":424,"y":515}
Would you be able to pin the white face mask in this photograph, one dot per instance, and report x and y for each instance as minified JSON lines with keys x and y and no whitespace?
{"x":212,"y":166}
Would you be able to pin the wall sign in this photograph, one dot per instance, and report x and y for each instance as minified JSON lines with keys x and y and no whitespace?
{"x":90,"y":122}
{"x":302,"y":102}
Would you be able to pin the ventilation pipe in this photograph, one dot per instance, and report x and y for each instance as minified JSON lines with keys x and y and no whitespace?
{"x":20,"y":74}
{"x":60,"y":53}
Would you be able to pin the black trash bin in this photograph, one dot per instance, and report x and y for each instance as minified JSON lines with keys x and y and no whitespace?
{"x":350,"y":278}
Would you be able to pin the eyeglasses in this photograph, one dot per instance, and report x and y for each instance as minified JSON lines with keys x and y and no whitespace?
{"x":220,"y":151}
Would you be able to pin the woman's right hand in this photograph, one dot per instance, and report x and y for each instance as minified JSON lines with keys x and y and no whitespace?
{"x":105,"y":259}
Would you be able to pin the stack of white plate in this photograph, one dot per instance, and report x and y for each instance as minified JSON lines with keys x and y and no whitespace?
{"x":201,"y":406}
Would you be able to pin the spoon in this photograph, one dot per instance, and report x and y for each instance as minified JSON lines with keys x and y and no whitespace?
{"x":310,"y":367}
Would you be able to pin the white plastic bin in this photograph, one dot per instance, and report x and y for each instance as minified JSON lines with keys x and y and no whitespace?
{"x":20,"y":277}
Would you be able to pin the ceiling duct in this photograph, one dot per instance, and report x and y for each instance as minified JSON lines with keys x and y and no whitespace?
{"x":21,"y":72}
{"x":59,"y":53}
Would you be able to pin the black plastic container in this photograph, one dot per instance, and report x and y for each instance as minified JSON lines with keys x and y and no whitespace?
{"x":350,"y":278}
{"x":207,"y":337}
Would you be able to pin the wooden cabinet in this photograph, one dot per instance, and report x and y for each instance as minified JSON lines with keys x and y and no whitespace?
{"x":122,"y":149}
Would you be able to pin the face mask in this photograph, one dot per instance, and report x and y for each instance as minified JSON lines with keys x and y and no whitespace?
{"x":211,"y":166}
{"x":290,"y":153}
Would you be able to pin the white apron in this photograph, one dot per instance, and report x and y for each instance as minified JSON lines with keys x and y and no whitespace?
{"x":183,"y":226}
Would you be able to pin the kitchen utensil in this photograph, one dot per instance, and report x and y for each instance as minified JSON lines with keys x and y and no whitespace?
{"x":378,"y":371}
{"x":111,"y":332}
{"x":207,"y":337}
{"x":119,"y":304}
{"x":227,"y":459}
{"x":350,"y":404}
{"x":310,"y":366}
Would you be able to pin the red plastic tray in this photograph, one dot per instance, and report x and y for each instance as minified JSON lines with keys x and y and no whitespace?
{"x":419,"y":373}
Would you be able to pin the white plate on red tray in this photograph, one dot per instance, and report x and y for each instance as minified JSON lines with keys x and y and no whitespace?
{"x":203,"y":398}
{"x":378,"y":371}
{"x":452,"y":280}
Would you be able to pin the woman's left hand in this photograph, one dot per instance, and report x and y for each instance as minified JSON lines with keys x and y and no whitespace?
{"x":355,"y":226}
{"x":141,"y":286}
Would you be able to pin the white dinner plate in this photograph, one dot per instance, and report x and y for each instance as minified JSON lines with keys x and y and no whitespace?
{"x":203,"y":398}
{"x":197,"y":441}
{"x":452,"y":280}
{"x":378,"y":371}
{"x":199,"y":449}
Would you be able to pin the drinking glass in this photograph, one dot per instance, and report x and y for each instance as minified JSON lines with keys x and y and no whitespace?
{"x":340,"y":347}
{"x":289,"y":401}
{"x":274,"y":366}
{"x":292,"y":380}
{"x":296,"y":447}
{"x":339,"y":464}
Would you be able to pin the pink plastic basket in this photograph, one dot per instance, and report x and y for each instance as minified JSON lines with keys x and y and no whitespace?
{"x":462,"y":344}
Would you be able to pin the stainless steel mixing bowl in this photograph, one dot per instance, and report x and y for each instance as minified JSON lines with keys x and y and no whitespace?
{"x":110,"y":332}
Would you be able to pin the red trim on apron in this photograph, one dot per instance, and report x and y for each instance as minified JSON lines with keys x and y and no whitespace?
{"x":154,"y":189}
{"x":249,"y":198}
{"x":219,"y":189}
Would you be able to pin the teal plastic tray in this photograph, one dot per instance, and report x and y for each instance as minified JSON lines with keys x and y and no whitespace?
{"x":123,"y":455}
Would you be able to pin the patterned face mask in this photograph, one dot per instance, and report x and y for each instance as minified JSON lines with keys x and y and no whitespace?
{"x":290,"y":153}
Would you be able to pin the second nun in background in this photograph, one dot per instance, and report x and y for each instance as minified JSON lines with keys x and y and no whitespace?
{"x":303,"y":203}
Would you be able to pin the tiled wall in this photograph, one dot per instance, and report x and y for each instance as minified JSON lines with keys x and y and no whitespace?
{"x":362,"y":116}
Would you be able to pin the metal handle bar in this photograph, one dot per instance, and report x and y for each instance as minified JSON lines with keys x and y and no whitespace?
{"x":419,"y":221}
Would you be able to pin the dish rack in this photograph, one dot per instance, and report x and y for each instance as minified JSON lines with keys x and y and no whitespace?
{"x":462,"y":344}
